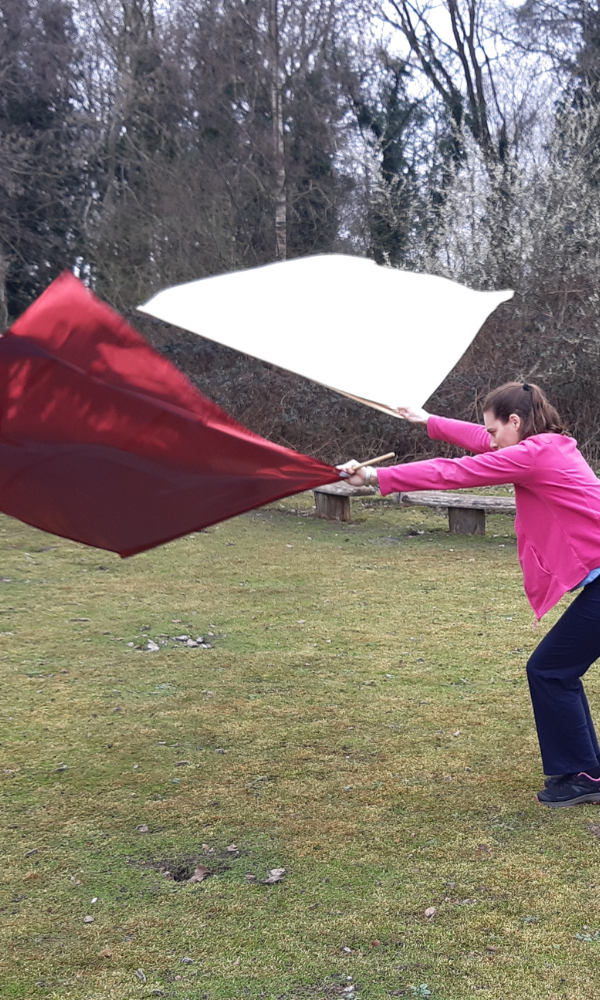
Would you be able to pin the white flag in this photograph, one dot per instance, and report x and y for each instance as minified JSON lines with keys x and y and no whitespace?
{"x":382,"y":336}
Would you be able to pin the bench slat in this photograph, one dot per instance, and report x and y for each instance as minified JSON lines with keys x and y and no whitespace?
{"x":343,"y":489}
{"x":465,"y":501}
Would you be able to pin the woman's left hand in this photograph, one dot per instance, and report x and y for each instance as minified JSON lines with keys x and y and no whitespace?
{"x":354,"y":478}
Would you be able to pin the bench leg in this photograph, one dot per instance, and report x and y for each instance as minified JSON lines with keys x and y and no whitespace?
{"x":466,"y":521}
{"x":332,"y":508}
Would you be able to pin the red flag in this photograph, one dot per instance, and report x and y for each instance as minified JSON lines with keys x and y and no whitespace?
{"x":103,"y":441}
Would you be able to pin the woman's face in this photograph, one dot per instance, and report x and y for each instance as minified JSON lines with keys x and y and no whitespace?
{"x":502,"y":435}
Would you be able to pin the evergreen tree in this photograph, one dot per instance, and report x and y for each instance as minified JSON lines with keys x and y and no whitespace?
{"x":41,"y":189}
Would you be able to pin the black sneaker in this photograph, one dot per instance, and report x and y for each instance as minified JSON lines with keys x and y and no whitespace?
{"x":559,"y":778}
{"x":570,"y":790}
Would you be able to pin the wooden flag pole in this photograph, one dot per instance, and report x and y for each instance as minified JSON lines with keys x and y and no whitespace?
{"x":372,"y":461}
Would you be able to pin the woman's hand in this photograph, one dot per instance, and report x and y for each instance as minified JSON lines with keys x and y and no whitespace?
{"x":414,"y":414}
{"x":357,"y":478}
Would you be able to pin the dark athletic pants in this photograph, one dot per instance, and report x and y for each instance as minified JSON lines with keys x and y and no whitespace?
{"x":565,"y":729}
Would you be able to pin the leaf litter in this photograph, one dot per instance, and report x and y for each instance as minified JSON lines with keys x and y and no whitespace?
{"x":275,"y":875}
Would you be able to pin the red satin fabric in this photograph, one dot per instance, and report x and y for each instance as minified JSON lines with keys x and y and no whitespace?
{"x":103,"y":441}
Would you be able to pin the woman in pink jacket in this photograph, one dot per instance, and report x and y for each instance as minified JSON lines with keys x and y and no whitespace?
{"x":558,"y":533}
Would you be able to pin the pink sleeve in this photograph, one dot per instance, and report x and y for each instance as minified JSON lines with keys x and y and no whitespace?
{"x":507,"y":465}
{"x":471,"y":437}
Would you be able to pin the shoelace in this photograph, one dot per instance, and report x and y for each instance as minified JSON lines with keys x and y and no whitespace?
{"x":563,"y":779}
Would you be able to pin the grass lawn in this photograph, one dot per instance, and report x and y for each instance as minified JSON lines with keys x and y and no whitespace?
{"x":361,"y":720}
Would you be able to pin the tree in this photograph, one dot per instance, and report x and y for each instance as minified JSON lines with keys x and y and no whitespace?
{"x":41,"y":165}
{"x":459,"y":60}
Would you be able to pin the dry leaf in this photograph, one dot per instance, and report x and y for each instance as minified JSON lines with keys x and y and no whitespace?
{"x":485,"y":849}
{"x":105,"y":953}
{"x":430,"y":912}
{"x":347,"y":950}
{"x":251,"y":878}
{"x":141,"y":975}
{"x":232,"y":848}
{"x":88,"y":920}
{"x":275,"y":875}
{"x":152,"y":646}
{"x":492,"y":948}
{"x":200,"y":873}
{"x":142,"y":829}
{"x":182,"y":763}
{"x":237,"y":961}
{"x":375,"y":943}
{"x":595,"y":829}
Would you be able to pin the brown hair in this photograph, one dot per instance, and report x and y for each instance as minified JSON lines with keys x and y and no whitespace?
{"x":529,"y":403}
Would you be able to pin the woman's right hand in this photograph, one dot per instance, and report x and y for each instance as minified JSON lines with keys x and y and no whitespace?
{"x":414,"y":414}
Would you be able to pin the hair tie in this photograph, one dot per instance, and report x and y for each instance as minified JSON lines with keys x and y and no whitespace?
{"x":526,"y":387}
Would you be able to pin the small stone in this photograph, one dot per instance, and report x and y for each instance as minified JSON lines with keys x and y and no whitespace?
{"x":88,"y":920}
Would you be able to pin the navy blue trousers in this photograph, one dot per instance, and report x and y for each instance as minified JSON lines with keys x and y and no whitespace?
{"x":565,"y":729}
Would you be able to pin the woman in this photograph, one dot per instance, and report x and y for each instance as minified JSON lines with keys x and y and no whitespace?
{"x":558,"y":532}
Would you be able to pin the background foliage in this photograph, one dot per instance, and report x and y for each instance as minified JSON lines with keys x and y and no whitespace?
{"x":146,"y":143}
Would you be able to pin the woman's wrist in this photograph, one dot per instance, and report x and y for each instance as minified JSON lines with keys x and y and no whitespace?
{"x":371,"y":478}
{"x":414,"y":414}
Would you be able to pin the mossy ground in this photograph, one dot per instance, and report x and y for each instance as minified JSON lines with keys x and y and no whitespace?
{"x":361,"y":720}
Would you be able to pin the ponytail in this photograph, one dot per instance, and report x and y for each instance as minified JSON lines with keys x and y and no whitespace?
{"x":527,"y":400}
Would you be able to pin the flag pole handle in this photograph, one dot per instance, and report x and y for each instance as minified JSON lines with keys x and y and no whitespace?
{"x":372,"y":461}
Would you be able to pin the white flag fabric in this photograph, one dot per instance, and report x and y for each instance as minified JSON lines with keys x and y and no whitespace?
{"x":379,"y":335}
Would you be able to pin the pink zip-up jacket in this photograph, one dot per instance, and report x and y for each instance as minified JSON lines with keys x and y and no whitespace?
{"x":557,"y":498}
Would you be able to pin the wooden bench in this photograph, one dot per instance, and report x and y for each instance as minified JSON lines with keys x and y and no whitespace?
{"x":333,"y":501}
{"x":466,"y":511}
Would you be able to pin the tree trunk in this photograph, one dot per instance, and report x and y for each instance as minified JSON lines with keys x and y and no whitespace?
{"x":278,"y":146}
{"x":3,"y":305}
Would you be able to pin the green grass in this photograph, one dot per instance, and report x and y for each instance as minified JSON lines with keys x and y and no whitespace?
{"x":361,"y":720}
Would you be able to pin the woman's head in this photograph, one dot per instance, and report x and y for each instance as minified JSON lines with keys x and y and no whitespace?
{"x":517,"y":410}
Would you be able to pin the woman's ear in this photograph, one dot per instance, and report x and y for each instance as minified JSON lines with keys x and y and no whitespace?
{"x":516,"y":421}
